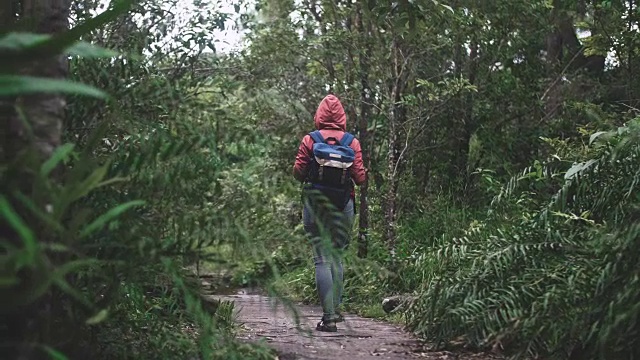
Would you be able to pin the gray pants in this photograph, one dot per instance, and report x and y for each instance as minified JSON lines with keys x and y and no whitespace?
{"x":328,"y":246}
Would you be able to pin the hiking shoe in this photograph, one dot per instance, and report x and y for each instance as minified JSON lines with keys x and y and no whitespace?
{"x":327,"y":326}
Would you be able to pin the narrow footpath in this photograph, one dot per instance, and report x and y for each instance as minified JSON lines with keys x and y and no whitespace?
{"x":290,"y":330}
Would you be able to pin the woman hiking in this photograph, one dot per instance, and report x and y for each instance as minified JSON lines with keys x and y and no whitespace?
{"x":329,"y":162}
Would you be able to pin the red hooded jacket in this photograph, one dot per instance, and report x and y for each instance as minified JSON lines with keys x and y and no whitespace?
{"x":331,"y":120}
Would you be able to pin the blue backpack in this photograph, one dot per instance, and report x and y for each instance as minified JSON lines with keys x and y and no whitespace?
{"x":330,"y":168}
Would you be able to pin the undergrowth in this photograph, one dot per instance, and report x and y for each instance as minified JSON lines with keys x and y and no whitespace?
{"x":552,"y":276}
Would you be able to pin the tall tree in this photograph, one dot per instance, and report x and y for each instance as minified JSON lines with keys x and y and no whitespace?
{"x":365,"y":32}
{"x":39,"y":126}
{"x":44,"y":112}
{"x":7,"y":19}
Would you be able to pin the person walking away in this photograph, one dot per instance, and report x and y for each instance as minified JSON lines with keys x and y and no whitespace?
{"x":328,"y":163}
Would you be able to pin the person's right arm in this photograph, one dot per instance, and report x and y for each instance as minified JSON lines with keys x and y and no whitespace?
{"x":303,"y":159}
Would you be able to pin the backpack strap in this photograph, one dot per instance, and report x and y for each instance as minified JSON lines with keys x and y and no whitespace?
{"x":316,"y":136}
{"x":346,"y":140}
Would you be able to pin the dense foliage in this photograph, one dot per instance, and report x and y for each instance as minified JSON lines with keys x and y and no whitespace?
{"x":501,"y":137}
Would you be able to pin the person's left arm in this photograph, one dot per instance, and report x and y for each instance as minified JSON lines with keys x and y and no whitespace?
{"x":358,"y":171}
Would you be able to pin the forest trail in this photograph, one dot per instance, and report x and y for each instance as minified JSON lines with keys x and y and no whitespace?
{"x":264,"y":318}
{"x":290,"y":330}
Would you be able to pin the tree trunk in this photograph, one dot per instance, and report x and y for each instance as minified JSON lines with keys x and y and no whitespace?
{"x":470,"y":123}
{"x":554,"y":56}
{"x":8,"y":11}
{"x":566,"y":53}
{"x":632,"y":22}
{"x":365,"y":107}
{"x":323,"y":20}
{"x":395,"y":115}
{"x":13,"y":323}
{"x":7,"y":18}
{"x":45,"y":112}
{"x":459,"y":138}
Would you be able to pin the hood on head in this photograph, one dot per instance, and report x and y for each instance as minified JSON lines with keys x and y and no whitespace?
{"x":330,"y":114}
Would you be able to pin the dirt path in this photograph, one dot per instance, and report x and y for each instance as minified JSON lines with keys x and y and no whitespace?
{"x":264,"y":318}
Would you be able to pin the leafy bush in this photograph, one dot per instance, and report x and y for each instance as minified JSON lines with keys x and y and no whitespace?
{"x":555,"y":278}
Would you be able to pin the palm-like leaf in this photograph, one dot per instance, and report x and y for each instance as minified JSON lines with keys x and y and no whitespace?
{"x":560,"y":278}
